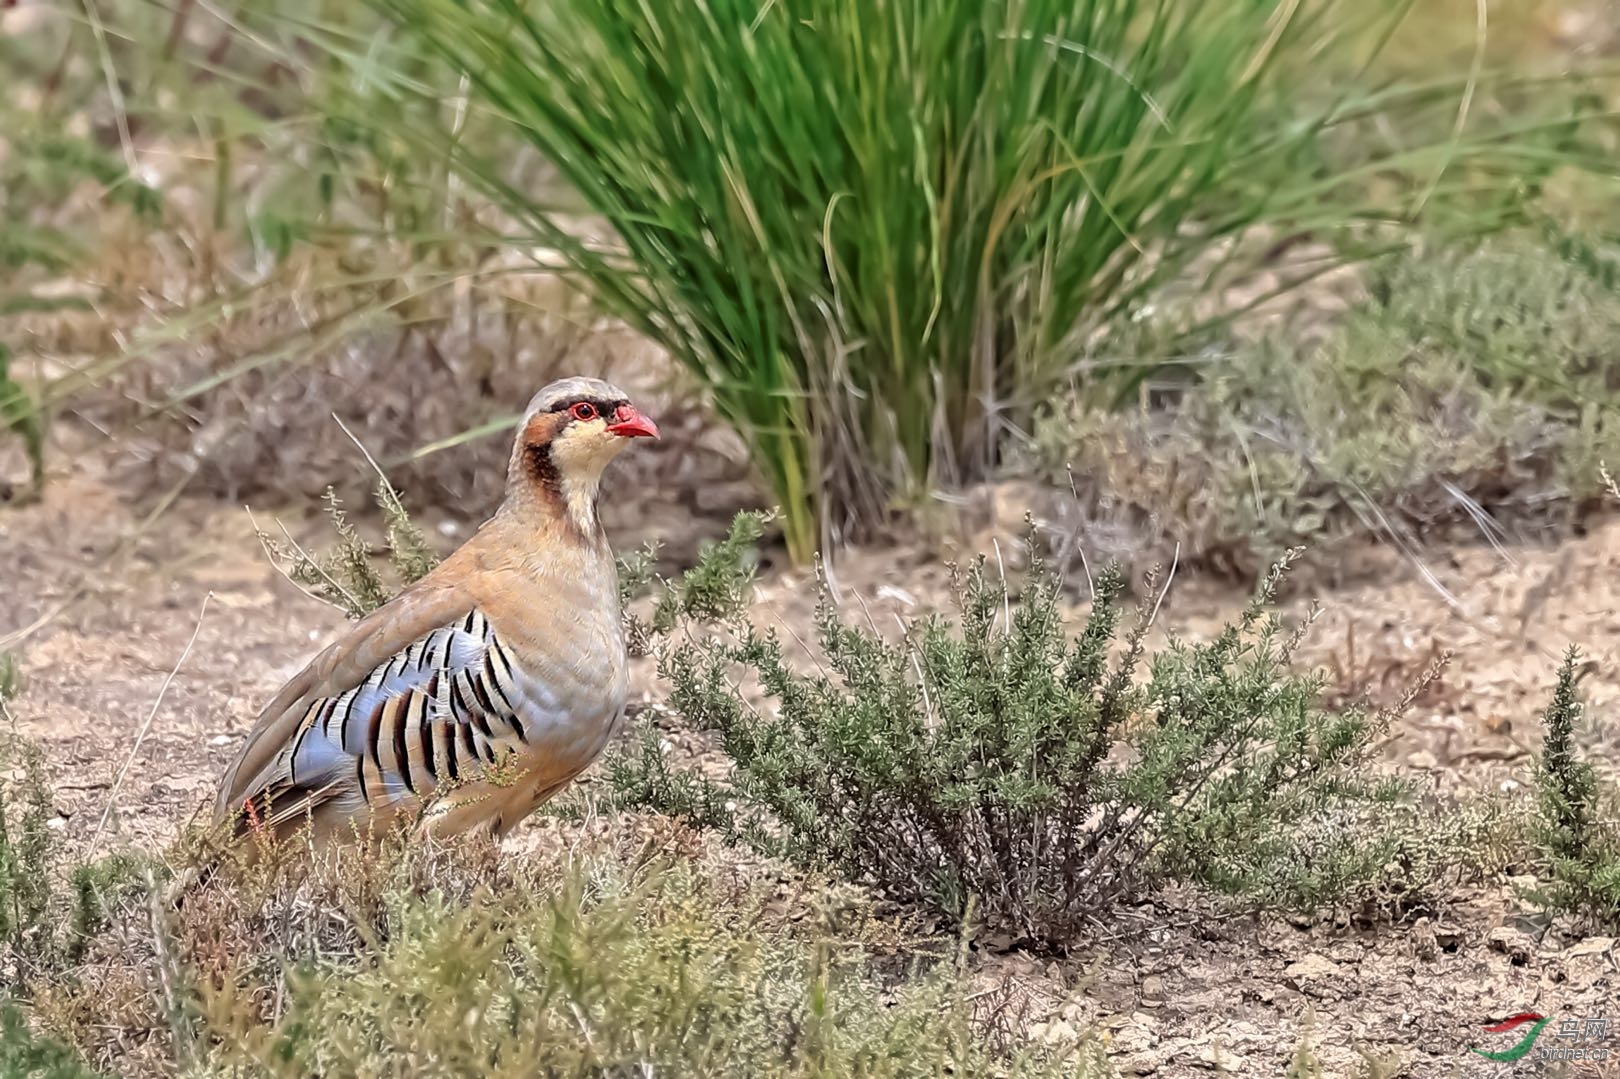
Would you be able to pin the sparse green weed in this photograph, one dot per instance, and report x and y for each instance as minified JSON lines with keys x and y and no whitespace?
{"x":27,"y":1055}
{"x":345,"y":574}
{"x":11,"y":676}
{"x":1578,"y":827}
{"x":26,"y":857}
{"x":20,"y":415}
{"x":44,"y":929}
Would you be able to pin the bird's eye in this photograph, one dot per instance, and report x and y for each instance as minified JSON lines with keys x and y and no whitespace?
{"x":583,"y":411}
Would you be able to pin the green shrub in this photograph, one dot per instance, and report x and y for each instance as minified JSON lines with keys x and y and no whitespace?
{"x":42,"y":928}
{"x":1000,"y":764}
{"x":640,"y":776}
{"x":876,"y":241}
{"x":1578,"y":829}
{"x":26,"y":855}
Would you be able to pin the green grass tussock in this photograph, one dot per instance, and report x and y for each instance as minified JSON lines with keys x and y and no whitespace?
{"x":879,"y":241}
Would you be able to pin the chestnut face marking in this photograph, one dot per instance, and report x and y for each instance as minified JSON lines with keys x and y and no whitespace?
{"x":572,"y":430}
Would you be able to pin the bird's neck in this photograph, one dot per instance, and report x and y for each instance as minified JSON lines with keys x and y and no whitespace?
{"x":578,"y":497}
{"x":551,"y":498}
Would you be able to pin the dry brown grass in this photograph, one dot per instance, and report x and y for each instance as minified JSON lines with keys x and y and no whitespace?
{"x":300,"y":268}
{"x":1469,"y":390}
{"x":632,"y":944}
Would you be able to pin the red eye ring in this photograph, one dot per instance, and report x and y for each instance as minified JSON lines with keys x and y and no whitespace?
{"x":584,"y":410}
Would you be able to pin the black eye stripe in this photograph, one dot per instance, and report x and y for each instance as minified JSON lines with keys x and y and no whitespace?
{"x":603,"y":408}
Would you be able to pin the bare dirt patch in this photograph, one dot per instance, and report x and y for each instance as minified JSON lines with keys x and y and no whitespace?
{"x":1177,"y":988}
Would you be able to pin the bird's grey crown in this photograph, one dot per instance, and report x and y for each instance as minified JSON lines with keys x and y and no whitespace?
{"x":579,"y":387}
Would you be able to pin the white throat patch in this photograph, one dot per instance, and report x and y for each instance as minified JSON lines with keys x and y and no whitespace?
{"x":580,"y":454}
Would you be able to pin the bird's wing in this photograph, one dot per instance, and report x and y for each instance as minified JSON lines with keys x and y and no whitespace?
{"x":407,"y":699}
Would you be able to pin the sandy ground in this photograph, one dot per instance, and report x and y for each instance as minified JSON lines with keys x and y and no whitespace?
{"x":101,"y":612}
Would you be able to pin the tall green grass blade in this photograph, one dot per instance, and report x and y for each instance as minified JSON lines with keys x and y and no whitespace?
{"x":878,"y":234}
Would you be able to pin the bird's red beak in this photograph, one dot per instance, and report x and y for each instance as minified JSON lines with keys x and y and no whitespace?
{"x":628,"y":422}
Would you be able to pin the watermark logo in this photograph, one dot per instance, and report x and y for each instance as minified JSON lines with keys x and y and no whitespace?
{"x":1513,"y":1022}
{"x":1567,"y":1032}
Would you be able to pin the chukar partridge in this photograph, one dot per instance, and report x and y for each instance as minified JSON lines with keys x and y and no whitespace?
{"x":484,"y":688}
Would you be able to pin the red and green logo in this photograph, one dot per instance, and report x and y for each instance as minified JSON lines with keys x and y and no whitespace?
{"x":1511,"y":1023}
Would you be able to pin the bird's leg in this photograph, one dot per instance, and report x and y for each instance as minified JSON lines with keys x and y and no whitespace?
{"x":468,"y":812}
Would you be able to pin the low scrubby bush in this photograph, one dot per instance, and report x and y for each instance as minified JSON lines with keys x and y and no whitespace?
{"x":614,"y":967}
{"x":999,"y":764}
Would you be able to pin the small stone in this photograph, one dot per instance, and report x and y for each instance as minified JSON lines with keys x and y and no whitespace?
{"x":1425,"y":944}
{"x":1152,"y":992}
{"x":1312,"y":969}
{"x":1517,"y":946}
{"x":1591,"y":946}
{"x":1056,"y":1032}
{"x":1449,"y":937}
{"x":1220,"y":1058}
{"x":1130,"y":1036}
{"x":1533,"y":924}
{"x":998,"y":942}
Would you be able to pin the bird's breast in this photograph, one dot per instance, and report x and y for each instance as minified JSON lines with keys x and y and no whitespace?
{"x":569,"y":674}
